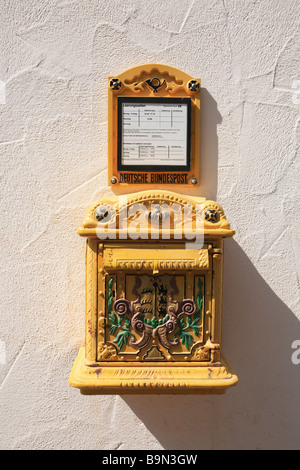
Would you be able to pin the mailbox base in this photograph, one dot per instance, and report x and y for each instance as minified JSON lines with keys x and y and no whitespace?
{"x":129,"y":379}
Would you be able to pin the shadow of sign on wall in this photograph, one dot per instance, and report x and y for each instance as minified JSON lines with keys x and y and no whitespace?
{"x":2,"y":92}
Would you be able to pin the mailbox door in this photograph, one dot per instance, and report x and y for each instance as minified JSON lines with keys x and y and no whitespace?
{"x":156,"y":303}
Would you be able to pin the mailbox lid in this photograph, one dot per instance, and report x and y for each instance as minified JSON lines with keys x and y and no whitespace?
{"x":168,"y":256}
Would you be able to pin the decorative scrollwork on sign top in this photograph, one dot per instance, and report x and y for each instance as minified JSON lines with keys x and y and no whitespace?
{"x":155,"y":79}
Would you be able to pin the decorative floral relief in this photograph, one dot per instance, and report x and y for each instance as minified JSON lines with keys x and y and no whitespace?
{"x":149,"y":316}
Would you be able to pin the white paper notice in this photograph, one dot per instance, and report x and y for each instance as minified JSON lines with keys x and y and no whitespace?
{"x":154,"y":134}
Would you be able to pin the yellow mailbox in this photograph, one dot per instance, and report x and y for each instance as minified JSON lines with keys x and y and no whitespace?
{"x":154,"y":260}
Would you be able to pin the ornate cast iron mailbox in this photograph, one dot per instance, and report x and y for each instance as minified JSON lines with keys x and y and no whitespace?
{"x":154,"y":261}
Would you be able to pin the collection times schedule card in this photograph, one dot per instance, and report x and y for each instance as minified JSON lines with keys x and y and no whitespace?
{"x":154,"y":134}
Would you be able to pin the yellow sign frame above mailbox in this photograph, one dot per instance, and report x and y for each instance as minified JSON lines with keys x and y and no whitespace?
{"x":154,"y":81}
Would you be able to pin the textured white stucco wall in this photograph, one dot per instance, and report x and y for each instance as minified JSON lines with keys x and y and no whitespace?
{"x":55,"y":58}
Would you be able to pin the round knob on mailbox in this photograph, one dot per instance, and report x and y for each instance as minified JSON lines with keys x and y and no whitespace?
{"x":211,"y":215}
{"x":157,"y":215}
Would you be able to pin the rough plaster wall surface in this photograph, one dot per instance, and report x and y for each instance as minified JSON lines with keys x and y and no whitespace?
{"x":55,"y":59}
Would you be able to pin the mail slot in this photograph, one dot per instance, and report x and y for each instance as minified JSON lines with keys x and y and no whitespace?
{"x":153,"y":300}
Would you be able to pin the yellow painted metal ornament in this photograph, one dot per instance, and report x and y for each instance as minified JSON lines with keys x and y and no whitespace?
{"x":153,"y":304}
